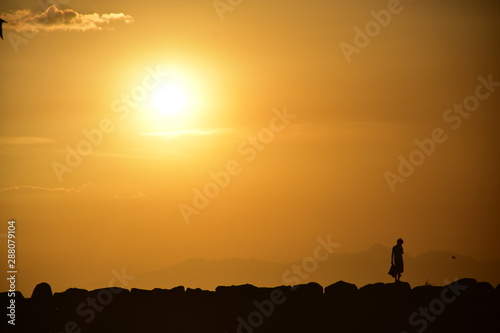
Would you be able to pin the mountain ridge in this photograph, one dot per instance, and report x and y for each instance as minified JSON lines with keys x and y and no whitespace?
{"x":361,"y":268}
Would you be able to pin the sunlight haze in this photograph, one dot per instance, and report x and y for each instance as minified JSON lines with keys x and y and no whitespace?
{"x":148,"y":133}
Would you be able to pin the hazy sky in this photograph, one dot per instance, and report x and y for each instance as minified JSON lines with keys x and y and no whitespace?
{"x":115,"y":115}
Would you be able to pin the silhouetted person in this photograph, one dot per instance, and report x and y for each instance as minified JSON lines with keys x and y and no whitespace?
{"x":397,"y":265}
{"x":1,"y":21}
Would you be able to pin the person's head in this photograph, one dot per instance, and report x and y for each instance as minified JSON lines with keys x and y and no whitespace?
{"x":400,"y":241}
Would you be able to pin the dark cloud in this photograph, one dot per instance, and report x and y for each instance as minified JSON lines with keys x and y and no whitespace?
{"x":53,"y":19}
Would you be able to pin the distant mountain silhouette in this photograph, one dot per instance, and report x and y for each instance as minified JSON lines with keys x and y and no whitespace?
{"x":206,"y":274}
{"x":362,"y":268}
{"x":462,"y":306}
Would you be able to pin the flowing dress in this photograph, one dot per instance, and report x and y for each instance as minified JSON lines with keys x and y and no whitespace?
{"x":397,"y":250}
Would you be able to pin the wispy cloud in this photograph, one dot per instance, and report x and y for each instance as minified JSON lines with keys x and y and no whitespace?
{"x":53,"y":19}
{"x":29,"y":188}
{"x":24,"y":140}
{"x":176,"y":133}
{"x":85,"y":191}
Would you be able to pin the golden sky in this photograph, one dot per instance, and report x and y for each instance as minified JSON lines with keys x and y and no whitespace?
{"x":291,"y":118}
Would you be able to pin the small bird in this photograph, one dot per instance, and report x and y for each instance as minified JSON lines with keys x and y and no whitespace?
{"x":453,"y":257}
{"x":2,"y":21}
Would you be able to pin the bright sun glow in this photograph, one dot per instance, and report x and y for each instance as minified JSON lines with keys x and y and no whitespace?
{"x":174,"y":105}
{"x":169,"y":99}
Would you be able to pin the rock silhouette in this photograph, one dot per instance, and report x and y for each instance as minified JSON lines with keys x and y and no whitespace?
{"x":42,"y":307}
{"x":208,"y":274}
{"x":461,"y":306}
{"x":1,"y":22}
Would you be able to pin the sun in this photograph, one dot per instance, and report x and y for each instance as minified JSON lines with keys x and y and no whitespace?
{"x":170,"y":99}
{"x":177,"y":103}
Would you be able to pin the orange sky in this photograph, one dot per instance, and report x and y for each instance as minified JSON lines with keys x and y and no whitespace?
{"x":323,"y":170}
